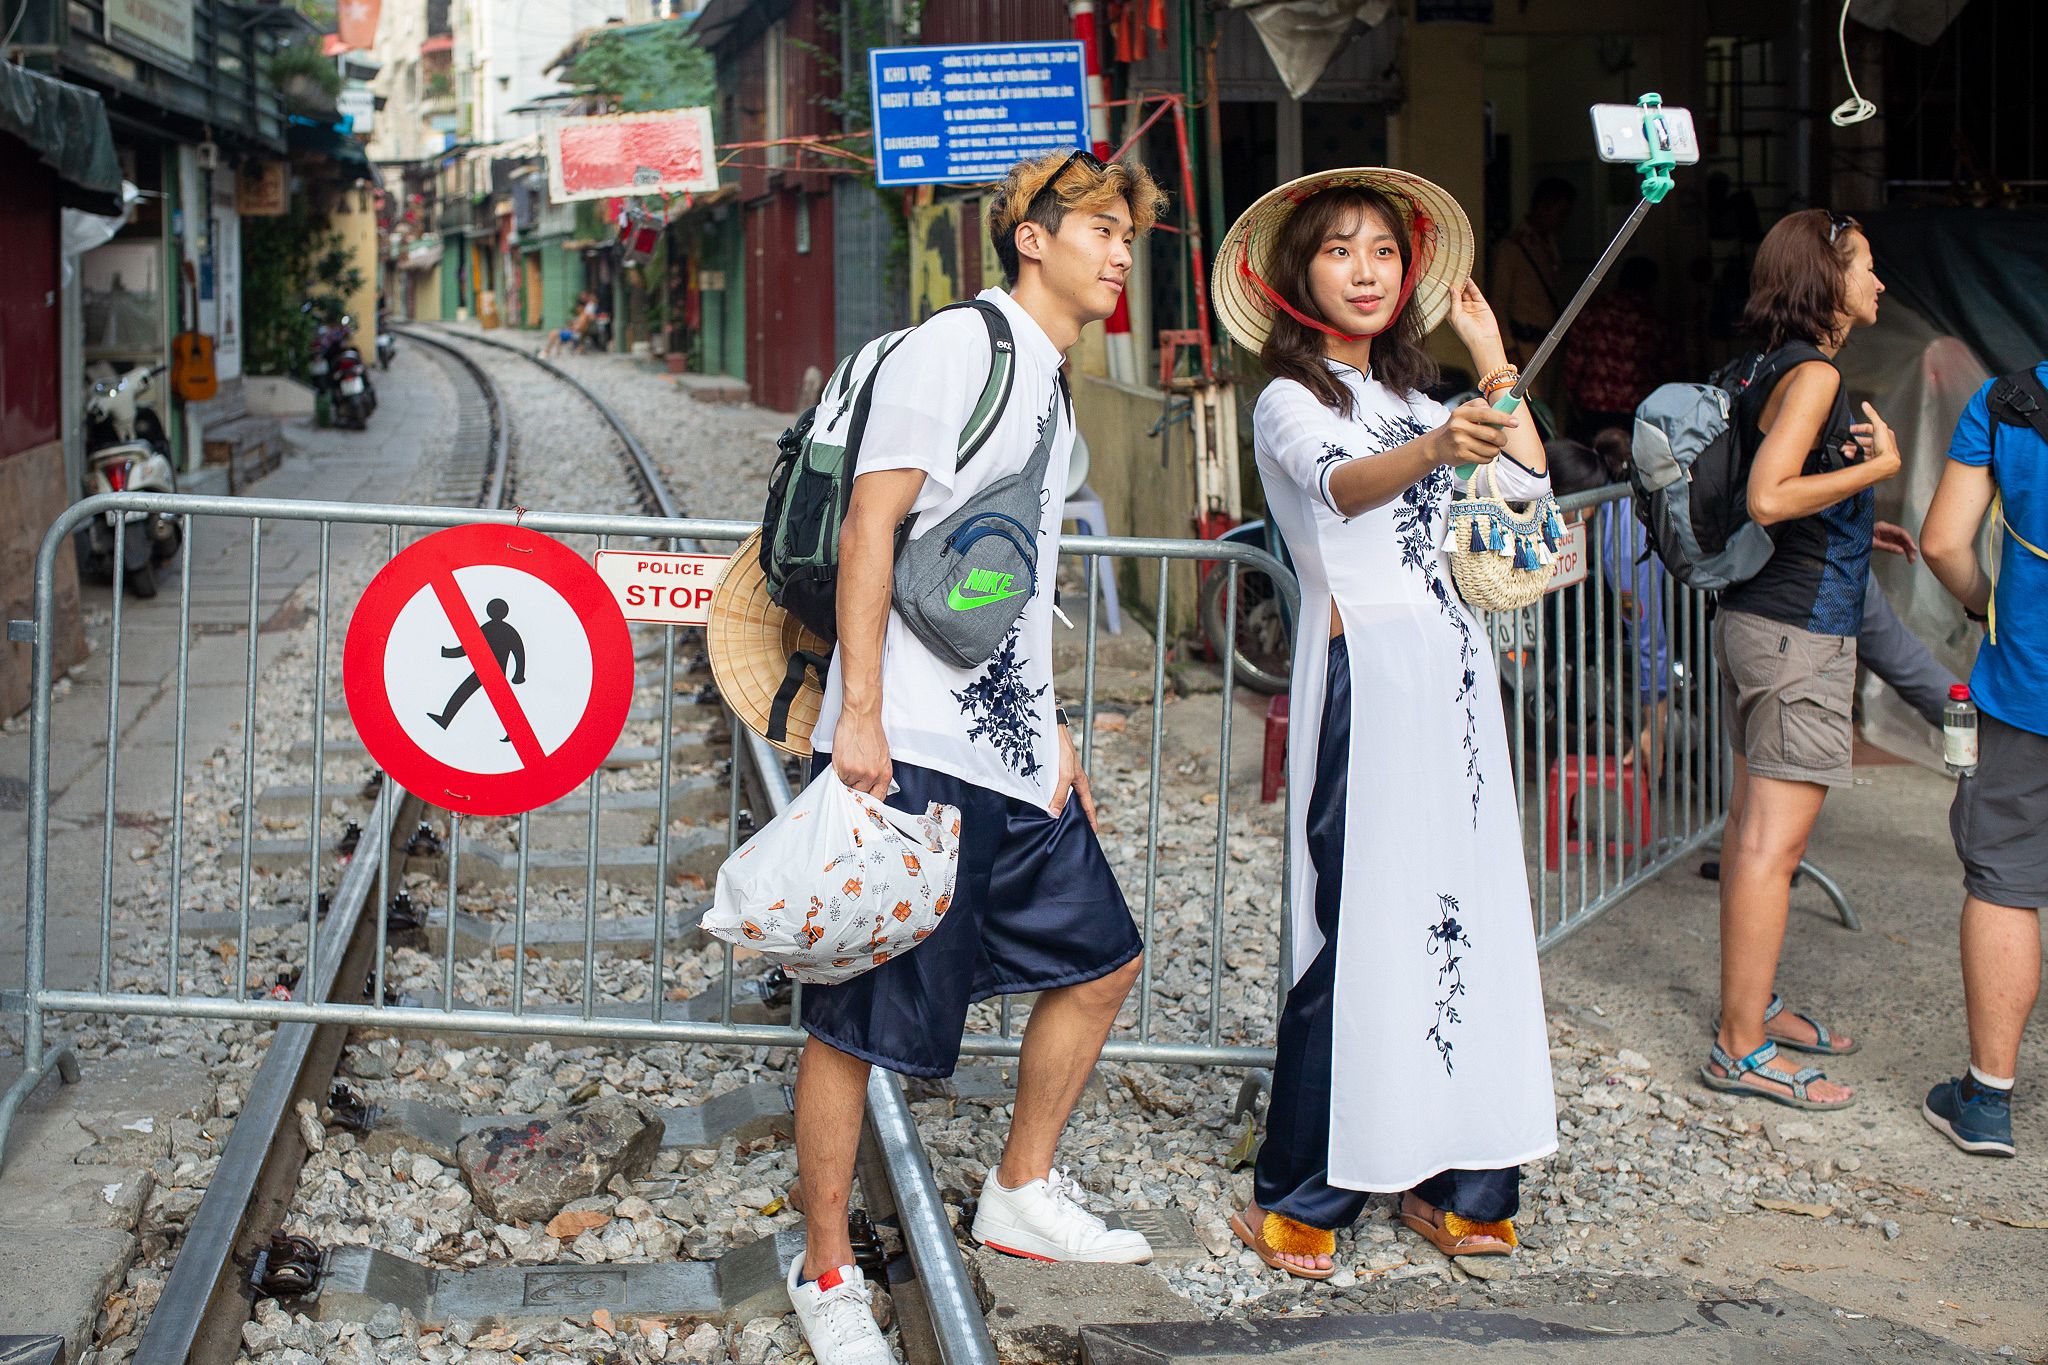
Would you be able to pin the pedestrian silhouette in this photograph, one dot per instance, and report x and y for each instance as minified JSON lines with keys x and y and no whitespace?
{"x":505,"y":646}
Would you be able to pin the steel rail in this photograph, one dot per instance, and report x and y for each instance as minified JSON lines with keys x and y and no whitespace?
{"x":201,"y":1312}
{"x":957,"y":1325}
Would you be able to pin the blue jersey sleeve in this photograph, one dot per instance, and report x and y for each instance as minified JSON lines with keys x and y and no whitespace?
{"x":1971,"y":444}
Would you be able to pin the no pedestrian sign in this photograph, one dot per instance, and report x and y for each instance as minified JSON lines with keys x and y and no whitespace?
{"x":965,"y":115}
{"x":672,"y":589}
{"x":488,"y":670}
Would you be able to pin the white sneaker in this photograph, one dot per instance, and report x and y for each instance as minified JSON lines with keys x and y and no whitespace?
{"x":837,"y":1320}
{"x":1046,"y":1221}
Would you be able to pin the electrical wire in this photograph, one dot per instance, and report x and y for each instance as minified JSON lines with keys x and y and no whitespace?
{"x":1854,"y":109}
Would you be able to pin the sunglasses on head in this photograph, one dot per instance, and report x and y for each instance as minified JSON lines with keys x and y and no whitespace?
{"x":1838,"y":223}
{"x":1082,"y":155}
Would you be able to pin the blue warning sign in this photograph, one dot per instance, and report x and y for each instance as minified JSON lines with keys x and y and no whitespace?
{"x":963,"y":115}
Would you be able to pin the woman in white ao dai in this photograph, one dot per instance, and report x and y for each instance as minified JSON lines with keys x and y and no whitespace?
{"x":1413,"y":1057}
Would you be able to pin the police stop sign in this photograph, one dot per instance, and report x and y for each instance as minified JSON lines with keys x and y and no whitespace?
{"x":669,"y":588}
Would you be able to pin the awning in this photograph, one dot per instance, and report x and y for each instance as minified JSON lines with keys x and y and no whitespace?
{"x":67,"y":126}
{"x":344,"y":153}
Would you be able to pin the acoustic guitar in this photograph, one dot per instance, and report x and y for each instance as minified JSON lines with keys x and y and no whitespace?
{"x":192,"y":373}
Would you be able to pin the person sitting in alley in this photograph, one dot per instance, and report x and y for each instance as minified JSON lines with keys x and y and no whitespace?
{"x":1412,"y":1054}
{"x":1786,"y":638}
{"x":1998,"y":471}
{"x":570,"y":333}
{"x":1035,"y":907}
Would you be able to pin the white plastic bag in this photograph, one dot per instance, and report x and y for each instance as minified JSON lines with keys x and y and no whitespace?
{"x":838,"y":883}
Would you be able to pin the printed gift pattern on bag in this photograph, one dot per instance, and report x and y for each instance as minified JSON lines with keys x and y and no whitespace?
{"x":866,"y":897}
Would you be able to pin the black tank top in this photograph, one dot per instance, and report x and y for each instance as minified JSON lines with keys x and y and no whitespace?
{"x":1815,"y":578}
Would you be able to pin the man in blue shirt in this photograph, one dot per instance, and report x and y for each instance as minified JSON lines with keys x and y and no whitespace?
{"x":1998,"y":466}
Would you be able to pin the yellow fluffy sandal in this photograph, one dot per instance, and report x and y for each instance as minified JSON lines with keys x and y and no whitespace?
{"x":1280,"y":1236}
{"x":1454,"y":1235}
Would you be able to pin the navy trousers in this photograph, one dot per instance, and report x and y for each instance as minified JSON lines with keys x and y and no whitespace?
{"x":1292,"y":1177}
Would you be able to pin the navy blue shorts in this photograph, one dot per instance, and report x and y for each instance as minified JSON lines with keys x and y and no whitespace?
{"x":1035,"y":907}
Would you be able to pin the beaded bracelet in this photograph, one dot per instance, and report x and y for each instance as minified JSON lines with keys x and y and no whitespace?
{"x":1500,"y":377}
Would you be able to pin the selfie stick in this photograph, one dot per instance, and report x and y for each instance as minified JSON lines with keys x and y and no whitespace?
{"x":1656,"y":173}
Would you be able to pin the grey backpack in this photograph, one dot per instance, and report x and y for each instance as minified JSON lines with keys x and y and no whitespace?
{"x":1690,"y":473}
{"x":961,"y":585}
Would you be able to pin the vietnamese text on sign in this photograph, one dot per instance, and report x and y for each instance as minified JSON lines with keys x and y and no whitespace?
{"x":964,"y":115}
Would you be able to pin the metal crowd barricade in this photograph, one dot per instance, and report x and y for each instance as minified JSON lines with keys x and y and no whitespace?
{"x":1609,"y":797}
{"x":275,"y":910}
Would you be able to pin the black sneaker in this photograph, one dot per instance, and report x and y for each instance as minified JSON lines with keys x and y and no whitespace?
{"x":1975,"y":1117}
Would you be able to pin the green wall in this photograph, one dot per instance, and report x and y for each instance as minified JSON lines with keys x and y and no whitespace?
{"x":561,"y":276}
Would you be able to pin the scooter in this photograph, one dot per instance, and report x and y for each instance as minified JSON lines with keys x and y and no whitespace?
{"x":387,"y":341}
{"x":127,"y":452}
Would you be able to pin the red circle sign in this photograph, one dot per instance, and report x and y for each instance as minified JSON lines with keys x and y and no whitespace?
{"x":488,"y":669}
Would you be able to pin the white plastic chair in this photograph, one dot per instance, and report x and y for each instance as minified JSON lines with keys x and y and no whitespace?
{"x":1085,"y":510}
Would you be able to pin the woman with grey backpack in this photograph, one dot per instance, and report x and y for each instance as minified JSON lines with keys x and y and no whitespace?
{"x":1786,"y":637}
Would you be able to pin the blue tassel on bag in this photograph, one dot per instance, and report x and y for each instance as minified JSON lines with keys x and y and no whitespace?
{"x":1479,"y":544}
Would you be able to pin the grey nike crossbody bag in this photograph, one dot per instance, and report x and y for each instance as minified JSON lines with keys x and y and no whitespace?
{"x":961,"y":585}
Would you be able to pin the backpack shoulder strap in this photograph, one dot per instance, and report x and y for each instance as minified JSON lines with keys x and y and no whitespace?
{"x":995,"y":390}
{"x":2020,"y":400}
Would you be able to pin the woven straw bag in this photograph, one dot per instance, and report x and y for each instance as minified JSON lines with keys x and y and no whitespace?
{"x":1502,"y":553}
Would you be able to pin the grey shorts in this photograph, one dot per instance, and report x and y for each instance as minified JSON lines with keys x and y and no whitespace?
{"x":2000,"y":817}
{"x":1785,"y":698}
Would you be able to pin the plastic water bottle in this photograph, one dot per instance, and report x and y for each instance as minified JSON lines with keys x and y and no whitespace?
{"x":1959,"y":731}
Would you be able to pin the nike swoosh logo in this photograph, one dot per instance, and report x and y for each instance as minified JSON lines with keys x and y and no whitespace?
{"x":960,"y":601}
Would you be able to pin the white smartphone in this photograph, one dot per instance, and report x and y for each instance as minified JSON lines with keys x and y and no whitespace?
{"x":1619,"y":130}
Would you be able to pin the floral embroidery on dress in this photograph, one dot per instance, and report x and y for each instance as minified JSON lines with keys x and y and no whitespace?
{"x":1004,"y":710}
{"x":1446,"y":937}
{"x":1415,"y":520}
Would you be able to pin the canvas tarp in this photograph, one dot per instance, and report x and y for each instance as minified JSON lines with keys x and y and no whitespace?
{"x":66,"y":126}
{"x":1918,"y":378}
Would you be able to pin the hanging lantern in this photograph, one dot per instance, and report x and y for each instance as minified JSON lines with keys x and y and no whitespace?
{"x":639,"y":233}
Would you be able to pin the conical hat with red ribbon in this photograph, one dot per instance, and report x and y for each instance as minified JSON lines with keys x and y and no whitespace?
{"x":1440,"y":248}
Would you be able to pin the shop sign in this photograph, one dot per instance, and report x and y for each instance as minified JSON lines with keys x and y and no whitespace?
{"x":358,"y":105}
{"x":965,"y":115}
{"x":611,"y":156}
{"x":160,"y":23}
{"x":261,"y":189}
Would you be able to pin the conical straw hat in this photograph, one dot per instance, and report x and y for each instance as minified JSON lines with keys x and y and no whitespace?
{"x":1446,"y":245}
{"x":751,"y":640}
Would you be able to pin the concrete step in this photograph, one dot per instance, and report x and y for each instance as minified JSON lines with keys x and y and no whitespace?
{"x":1776,"y":1324}
{"x":695,"y":852}
{"x":748,"y":1112}
{"x":745,"y":1283}
{"x":701,"y":798}
{"x":683,"y":748}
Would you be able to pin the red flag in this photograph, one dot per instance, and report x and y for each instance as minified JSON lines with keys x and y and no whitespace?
{"x":357,"y":26}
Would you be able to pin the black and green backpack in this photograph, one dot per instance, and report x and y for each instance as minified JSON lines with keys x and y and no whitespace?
{"x":812,"y":483}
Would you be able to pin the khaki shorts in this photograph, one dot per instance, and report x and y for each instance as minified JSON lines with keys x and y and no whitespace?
{"x":1785,"y":698}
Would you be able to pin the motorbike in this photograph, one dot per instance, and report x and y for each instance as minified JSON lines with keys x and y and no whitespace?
{"x":387,"y":341}
{"x":127,"y":451}
{"x":337,"y":370}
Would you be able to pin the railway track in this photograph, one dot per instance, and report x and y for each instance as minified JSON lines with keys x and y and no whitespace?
{"x":232,"y":1254}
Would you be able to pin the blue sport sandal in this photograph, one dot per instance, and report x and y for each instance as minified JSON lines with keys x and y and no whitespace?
{"x":1974,"y":1117}
{"x":1824,"y":1043}
{"x":1751,"y":1076}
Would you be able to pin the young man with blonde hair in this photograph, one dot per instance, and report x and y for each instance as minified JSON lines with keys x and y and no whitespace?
{"x":1035,"y":907}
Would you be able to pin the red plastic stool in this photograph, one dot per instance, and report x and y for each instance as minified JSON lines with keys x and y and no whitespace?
{"x":1607,"y":773}
{"x":1273,"y":772}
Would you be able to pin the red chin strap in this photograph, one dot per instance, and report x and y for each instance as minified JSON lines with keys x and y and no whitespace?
{"x":1421,"y":241}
